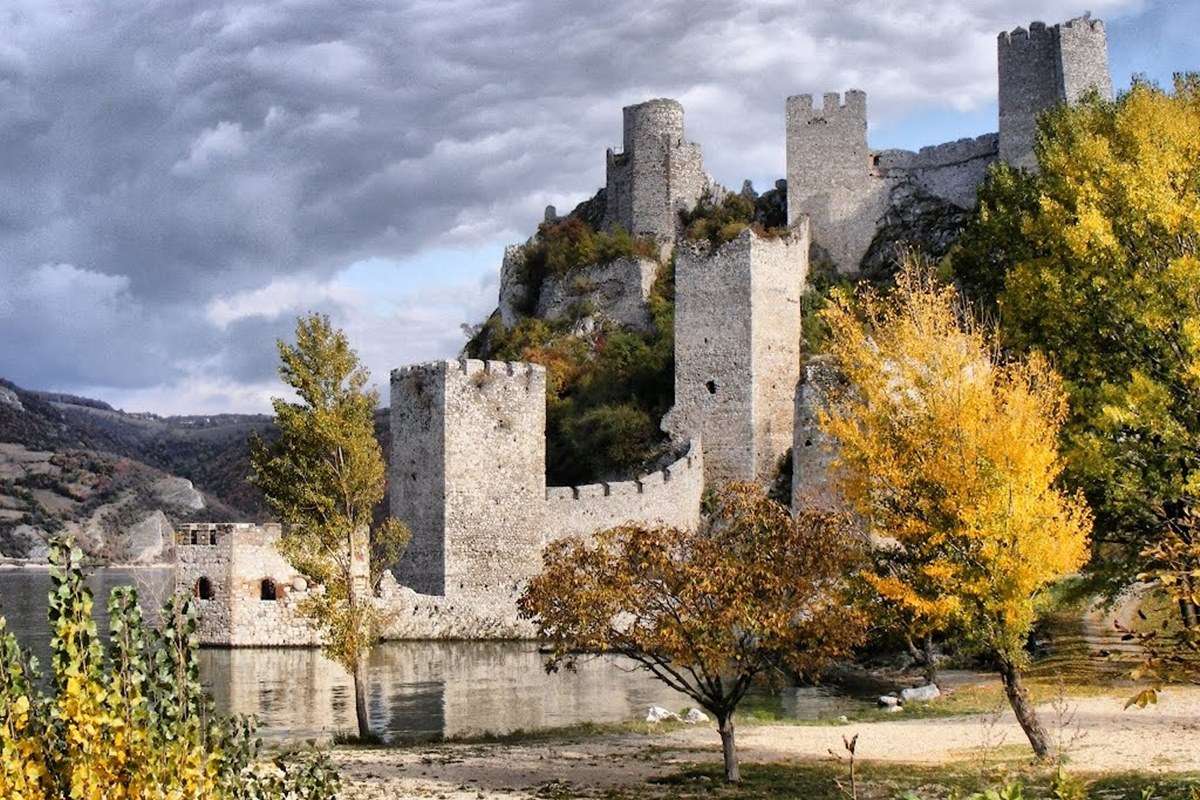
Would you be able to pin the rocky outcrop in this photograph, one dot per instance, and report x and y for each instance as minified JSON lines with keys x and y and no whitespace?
{"x":147,"y":542}
{"x":9,"y":398}
{"x":915,"y":220}
{"x":617,"y":292}
{"x":178,"y":492}
{"x":514,"y":294}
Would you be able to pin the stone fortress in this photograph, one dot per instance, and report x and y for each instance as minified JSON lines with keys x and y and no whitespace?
{"x":467,"y":467}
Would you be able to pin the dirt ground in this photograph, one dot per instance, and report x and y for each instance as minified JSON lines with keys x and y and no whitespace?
{"x":1101,"y":737}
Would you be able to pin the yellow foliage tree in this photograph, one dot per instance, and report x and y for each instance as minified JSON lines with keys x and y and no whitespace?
{"x":1094,"y":260}
{"x":950,"y":455}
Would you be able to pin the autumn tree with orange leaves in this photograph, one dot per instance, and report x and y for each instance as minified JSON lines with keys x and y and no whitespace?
{"x":707,"y":612}
{"x":950,"y":455}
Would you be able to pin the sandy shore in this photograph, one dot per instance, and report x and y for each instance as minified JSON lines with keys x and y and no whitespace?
{"x":1102,"y":737}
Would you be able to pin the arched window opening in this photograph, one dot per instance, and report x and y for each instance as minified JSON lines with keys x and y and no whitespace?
{"x":268,"y":590}
{"x":203,"y":589}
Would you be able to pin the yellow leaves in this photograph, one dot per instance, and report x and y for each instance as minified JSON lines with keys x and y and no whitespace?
{"x":951,"y":453}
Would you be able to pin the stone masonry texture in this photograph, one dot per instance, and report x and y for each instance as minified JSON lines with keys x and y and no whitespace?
{"x":656,"y":175}
{"x":737,"y":351}
{"x":1043,"y":67}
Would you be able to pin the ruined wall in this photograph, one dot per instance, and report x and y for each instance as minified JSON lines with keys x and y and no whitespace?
{"x":670,"y":496}
{"x":813,"y":453}
{"x":737,"y":351}
{"x":656,"y":175}
{"x":1040,"y":68}
{"x":468,"y":474}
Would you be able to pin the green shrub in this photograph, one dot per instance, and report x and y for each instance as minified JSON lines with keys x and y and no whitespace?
{"x":132,"y":723}
{"x":721,"y":222}
{"x":568,"y":244}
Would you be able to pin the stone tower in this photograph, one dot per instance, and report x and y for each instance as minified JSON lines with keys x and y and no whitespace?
{"x":830,"y":175}
{"x":737,"y":351}
{"x":656,"y":175}
{"x":468,"y":474}
{"x":1041,"y":68}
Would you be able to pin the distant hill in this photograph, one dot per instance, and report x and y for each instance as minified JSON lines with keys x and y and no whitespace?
{"x":116,"y":480}
{"x":113,"y":478}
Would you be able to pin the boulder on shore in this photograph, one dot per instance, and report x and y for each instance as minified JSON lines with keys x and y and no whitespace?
{"x":921,"y":694}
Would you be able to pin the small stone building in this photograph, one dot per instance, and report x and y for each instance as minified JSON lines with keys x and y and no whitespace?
{"x":246,"y":592}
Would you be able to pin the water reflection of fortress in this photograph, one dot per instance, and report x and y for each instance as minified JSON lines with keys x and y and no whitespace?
{"x":426,"y":689}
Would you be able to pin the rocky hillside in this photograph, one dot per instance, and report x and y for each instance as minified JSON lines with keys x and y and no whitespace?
{"x":116,"y":481}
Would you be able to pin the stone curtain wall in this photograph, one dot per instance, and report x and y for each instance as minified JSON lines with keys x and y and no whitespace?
{"x":468,"y":473}
{"x":670,"y":496}
{"x":737,"y":351}
{"x":951,"y":171}
{"x":1040,"y":68}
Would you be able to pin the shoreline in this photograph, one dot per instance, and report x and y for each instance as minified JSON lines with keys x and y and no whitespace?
{"x":1102,"y":739}
{"x":44,"y":566}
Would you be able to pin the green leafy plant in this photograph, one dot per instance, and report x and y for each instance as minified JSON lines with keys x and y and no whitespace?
{"x":132,"y":723}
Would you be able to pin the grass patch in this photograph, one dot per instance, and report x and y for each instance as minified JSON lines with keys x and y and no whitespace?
{"x":811,"y":780}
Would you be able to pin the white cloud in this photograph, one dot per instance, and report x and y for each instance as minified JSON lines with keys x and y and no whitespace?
{"x":225,"y":141}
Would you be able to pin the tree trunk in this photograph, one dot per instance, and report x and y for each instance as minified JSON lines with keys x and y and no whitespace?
{"x":923,"y":655}
{"x":360,"y":699}
{"x":930,"y":659}
{"x":1022,"y":706}
{"x":1187,"y":613}
{"x":728,"y":751}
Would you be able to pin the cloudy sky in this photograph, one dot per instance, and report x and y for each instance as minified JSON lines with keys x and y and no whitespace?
{"x":179,"y":179}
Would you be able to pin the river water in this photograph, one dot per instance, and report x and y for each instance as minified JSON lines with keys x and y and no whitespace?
{"x":417,"y":689}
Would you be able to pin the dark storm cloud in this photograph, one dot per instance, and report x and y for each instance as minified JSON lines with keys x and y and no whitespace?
{"x":157,"y":157}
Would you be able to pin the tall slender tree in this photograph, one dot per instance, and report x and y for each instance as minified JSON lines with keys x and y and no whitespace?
{"x":323,"y":477}
{"x":950,"y":454}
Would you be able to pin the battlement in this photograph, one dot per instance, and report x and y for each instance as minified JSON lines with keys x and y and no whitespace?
{"x":1020,"y":37}
{"x":669,"y":496}
{"x":469,"y":367}
{"x":1040,"y":32}
{"x":852,"y":104}
{"x":639,"y":485}
{"x":211,"y":534}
